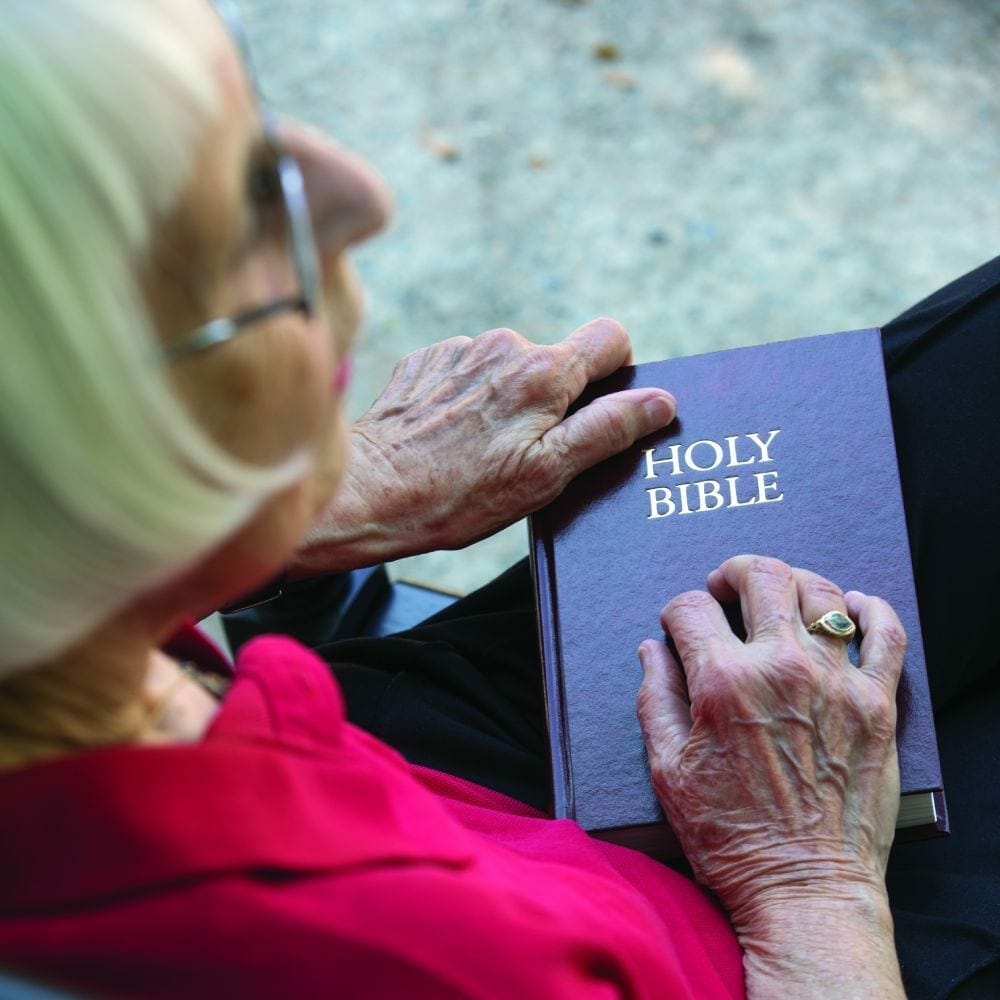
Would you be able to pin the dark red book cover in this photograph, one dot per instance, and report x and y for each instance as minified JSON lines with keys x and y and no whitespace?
{"x":783,"y":449}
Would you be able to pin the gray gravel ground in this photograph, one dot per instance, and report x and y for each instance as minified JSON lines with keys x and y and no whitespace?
{"x":711,"y":173}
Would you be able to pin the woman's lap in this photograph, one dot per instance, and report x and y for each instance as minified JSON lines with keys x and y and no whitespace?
{"x":462,"y":692}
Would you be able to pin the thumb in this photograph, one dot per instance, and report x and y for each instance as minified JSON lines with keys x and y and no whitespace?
{"x":662,"y":704}
{"x":608,"y":425}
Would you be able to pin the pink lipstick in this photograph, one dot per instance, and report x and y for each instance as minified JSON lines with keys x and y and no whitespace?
{"x":342,"y":376}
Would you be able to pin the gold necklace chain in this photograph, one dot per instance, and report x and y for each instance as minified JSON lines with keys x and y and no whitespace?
{"x":214,"y":684}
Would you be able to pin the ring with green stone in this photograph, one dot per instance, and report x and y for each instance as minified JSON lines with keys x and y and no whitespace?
{"x":834,"y":624}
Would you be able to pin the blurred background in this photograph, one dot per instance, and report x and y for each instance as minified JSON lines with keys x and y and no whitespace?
{"x":711,"y":173}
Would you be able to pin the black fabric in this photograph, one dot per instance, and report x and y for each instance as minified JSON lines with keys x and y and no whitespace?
{"x":943,"y":365}
{"x":462,"y":692}
{"x":945,"y":894}
{"x":943,"y":362}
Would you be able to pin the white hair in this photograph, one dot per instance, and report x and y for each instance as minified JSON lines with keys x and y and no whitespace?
{"x":108,"y":485}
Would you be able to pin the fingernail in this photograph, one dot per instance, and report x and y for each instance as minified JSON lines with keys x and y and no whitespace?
{"x":643,"y":656}
{"x":661,"y":409}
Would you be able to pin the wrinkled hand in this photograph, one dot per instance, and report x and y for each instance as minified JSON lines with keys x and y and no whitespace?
{"x":775,"y":758}
{"x":472,"y":434}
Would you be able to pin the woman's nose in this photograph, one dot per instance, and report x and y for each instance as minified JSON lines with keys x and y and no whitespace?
{"x":348,"y":200}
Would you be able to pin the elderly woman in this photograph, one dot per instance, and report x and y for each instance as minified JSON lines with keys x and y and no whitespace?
{"x":178,"y":314}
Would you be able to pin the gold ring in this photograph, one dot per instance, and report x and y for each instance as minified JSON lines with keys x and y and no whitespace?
{"x":834,"y":624}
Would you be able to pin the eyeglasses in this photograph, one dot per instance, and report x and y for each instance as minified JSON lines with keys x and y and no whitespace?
{"x":285,"y":178}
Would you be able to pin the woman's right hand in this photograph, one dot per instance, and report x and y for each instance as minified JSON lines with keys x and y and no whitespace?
{"x":471,"y":435}
{"x":775,"y":762}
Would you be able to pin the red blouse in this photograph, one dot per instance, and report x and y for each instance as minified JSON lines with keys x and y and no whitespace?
{"x":291,"y":854}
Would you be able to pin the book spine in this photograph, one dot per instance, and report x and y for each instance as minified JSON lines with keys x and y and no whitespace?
{"x":543,"y":559}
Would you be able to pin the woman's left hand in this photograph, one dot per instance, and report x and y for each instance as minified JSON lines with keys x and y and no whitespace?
{"x":775,"y":758}
{"x":775,"y":762}
{"x":471,"y":435}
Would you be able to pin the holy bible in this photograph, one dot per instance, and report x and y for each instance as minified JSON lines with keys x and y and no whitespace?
{"x":783,"y":449}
